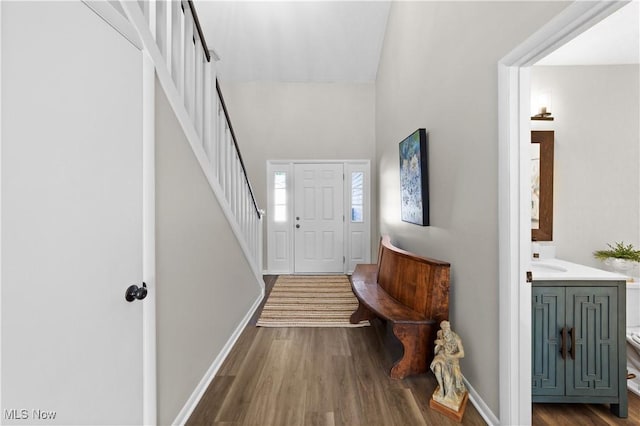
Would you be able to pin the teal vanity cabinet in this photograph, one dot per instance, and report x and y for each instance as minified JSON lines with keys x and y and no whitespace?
{"x":578,"y":343}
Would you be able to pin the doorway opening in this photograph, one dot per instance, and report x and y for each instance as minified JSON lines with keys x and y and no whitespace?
{"x":514,"y":213}
{"x":320,"y":221}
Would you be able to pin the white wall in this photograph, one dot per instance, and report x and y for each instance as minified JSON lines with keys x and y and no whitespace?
{"x":205,"y":285}
{"x":439,"y":71}
{"x":285,"y":121}
{"x":597,"y":156}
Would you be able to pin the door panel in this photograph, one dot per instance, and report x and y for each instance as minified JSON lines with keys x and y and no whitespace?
{"x":71,"y":217}
{"x":595,"y":369}
{"x":358,"y":222}
{"x":548,"y":368}
{"x":319,"y":219}
{"x":279,"y":219}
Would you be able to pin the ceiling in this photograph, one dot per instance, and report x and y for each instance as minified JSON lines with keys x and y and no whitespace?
{"x":295,"y":41}
{"x":341,"y":41}
{"x":614,"y":40}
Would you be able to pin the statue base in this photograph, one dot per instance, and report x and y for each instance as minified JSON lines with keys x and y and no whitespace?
{"x":452,"y":414}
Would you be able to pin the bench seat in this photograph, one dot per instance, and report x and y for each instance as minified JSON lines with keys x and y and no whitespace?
{"x":379,"y":301}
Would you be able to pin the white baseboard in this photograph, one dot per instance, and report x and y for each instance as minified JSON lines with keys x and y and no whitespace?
{"x":199,"y":391}
{"x":480,"y":405}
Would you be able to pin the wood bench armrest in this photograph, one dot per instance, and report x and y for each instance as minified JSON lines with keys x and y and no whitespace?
{"x":365,"y":273}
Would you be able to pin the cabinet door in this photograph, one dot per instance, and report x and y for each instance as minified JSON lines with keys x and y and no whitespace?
{"x":548,"y":313}
{"x":591,"y":317}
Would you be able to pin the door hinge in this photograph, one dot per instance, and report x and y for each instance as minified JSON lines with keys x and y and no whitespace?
{"x":343,"y":218}
{"x":344,"y":260}
{"x":529,"y":277}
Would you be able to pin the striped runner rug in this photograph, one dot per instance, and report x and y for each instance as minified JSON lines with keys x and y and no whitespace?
{"x":310,"y":301}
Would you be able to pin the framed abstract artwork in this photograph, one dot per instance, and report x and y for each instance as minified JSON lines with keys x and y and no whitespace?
{"x":414,"y":179}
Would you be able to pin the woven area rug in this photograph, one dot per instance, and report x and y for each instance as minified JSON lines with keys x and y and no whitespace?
{"x":310,"y":301}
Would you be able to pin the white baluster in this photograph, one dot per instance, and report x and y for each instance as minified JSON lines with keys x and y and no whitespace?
{"x":223,"y":154}
{"x":215,"y":149}
{"x":220,"y":140}
{"x":243,"y":196}
{"x":229,"y":170}
{"x":254,"y":234}
{"x":237,"y":182}
{"x":169,"y":34}
{"x":259,"y":245}
{"x":162,"y":23}
{"x":227,"y":160}
{"x":208,"y":118}
{"x":189,"y":62}
{"x":234,"y":181}
{"x":177,"y":52}
{"x":199,"y":89}
{"x":245,"y":212}
{"x":211,"y":114}
{"x":151,"y":17}
{"x":240,"y":192}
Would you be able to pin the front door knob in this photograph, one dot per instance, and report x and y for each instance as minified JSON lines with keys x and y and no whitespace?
{"x":134,"y":292}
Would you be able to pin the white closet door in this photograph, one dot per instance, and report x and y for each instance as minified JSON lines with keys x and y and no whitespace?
{"x":71,"y":217}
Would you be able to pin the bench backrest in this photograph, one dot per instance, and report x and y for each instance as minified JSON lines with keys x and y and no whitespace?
{"x":418,"y":282}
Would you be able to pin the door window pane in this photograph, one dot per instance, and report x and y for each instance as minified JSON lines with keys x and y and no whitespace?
{"x":357,"y":197}
{"x":280,"y":197}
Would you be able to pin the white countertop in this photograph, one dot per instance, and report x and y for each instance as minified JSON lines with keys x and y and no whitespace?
{"x":560,"y":270}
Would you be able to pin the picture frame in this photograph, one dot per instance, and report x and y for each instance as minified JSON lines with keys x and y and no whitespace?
{"x":414,"y":178}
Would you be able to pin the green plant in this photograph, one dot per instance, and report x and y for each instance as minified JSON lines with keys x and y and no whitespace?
{"x":620,"y":251}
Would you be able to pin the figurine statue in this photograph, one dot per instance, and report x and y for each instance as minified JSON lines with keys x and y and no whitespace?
{"x":451,"y":390}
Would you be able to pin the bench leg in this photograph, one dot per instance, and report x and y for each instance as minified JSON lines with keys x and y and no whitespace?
{"x":362,"y":313}
{"x":415,"y":344}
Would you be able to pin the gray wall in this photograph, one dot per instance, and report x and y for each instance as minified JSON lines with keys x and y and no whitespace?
{"x":301,"y":121}
{"x":205,"y":286}
{"x":439,"y":71}
{"x":597,"y":156}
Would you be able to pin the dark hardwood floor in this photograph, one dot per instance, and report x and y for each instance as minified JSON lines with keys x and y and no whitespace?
{"x":584,"y":414}
{"x":338,"y":376}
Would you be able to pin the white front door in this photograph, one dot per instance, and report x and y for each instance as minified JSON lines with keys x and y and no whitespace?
{"x":71,"y":218}
{"x":318,"y":218}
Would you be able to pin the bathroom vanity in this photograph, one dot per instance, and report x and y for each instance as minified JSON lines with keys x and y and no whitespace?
{"x":578,"y":335}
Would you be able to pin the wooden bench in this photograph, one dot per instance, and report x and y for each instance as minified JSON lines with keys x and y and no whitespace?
{"x":412,"y":293}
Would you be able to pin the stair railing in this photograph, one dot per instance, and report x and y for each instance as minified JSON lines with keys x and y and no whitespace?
{"x":171,"y":33}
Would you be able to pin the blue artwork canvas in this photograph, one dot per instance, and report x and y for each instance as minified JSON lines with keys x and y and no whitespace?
{"x":414,"y":192}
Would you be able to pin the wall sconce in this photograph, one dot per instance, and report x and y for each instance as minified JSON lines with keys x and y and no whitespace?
{"x":542,"y":115}
{"x":543,"y":105}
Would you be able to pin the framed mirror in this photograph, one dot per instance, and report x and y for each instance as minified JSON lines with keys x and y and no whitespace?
{"x":542,"y":185}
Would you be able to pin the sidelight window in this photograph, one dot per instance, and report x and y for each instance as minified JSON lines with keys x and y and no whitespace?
{"x":357,"y":197}
{"x":280,"y":197}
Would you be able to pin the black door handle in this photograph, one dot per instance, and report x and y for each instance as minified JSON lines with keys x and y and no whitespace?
{"x":572,"y":334}
{"x":563,"y":342}
{"x":134,"y":292}
{"x":297,"y":226}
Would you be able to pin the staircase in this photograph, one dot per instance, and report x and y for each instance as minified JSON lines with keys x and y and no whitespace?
{"x":170,"y":33}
